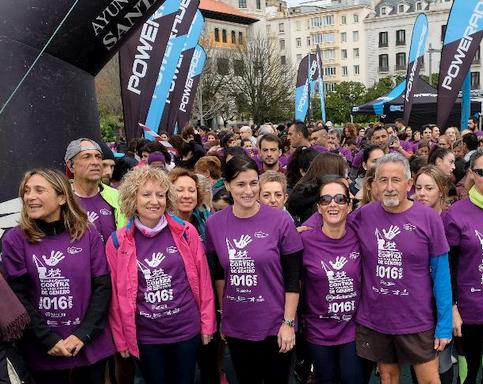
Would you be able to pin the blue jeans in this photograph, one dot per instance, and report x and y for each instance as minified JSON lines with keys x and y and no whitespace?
{"x":169,"y":363}
{"x":336,"y":363}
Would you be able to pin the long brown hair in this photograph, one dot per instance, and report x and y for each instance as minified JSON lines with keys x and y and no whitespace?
{"x":75,"y":218}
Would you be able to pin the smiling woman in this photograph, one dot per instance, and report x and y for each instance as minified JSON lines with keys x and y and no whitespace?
{"x":257,"y":252}
{"x":161,"y":256}
{"x":42,"y":258}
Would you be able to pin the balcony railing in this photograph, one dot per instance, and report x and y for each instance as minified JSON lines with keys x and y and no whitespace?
{"x":383,"y":69}
{"x":401,"y":67}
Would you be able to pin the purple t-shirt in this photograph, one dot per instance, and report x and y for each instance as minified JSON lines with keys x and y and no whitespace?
{"x":396,"y":250}
{"x":358,"y":159}
{"x":60,"y":271}
{"x":332,"y":284}
{"x":100,"y":214}
{"x":249,"y":250}
{"x":166,"y":311}
{"x":464,"y":228}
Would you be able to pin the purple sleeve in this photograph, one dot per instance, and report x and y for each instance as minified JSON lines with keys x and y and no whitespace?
{"x":452,"y":230}
{"x":13,"y":258}
{"x":438,"y":243}
{"x":357,"y":160}
{"x":290,"y":241}
{"x":98,"y":254}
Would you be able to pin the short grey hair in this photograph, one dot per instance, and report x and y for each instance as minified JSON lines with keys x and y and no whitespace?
{"x":265,"y":129}
{"x":475,"y":156}
{"x":394,"y":157}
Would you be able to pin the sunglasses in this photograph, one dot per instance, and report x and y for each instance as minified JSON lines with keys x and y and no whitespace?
{"x":338,"y":199}
{"x":479,"y":172}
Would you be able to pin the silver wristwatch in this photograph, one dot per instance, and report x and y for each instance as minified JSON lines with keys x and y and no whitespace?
{"x":290,"y":323}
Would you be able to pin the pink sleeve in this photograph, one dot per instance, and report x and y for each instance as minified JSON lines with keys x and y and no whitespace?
{"x":114,"y":310}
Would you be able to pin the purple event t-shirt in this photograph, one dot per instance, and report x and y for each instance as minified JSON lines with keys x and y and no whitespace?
{"x":396,"y":250}
{"x":166,"y":311}
{"x":332,"y":284}
{"x":464,"y":229}
{"x":100,"y":214}
{"x":249,"y":250}
{"x":61,"y":273}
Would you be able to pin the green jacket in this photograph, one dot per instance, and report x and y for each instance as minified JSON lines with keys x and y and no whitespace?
{"x":111,"y":197}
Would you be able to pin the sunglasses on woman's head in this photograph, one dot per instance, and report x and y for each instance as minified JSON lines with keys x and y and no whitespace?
{"x":339,"y":199}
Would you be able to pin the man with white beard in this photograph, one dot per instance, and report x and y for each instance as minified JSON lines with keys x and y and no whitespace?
{"x":405,"y":268}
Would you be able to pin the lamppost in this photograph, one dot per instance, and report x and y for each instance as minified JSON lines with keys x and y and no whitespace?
{"x":431,"y":50}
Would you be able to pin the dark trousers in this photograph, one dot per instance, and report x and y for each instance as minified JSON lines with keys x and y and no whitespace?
{"x":208,"y":361}
{"x":258,"y":362}
{"x":472,"y":349}
{"x":336,"y":363}
{"x":92,"y":374}
{"x":169,"y":363}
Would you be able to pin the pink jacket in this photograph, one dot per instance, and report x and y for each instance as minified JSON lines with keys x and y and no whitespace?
{"x":121,"y":256}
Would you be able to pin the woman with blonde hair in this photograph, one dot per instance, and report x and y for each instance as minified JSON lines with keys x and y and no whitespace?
{"x":55,"y":263}
{"x":162,"y":294}
{"x":432,"y":187}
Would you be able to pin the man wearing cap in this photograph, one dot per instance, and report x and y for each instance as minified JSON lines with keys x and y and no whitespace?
{"x":83,"y":158}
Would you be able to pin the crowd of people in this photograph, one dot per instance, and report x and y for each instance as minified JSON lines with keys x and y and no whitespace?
{"x":331,"y":252}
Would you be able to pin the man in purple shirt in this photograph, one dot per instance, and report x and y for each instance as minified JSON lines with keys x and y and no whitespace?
{"x":83,"y":158}
{"x":405,"y":267}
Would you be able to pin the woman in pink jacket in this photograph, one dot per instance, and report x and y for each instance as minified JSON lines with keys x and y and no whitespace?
{"x":162,"y":295}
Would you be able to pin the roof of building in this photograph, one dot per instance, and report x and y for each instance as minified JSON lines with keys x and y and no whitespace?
{"x":215,"y":9}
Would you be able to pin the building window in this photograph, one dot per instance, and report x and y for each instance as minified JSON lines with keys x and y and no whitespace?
{"x":400,"y":8}
{"x":343,"y":54}
{"x":356,"y":18}
{"x":298,"y":42}
{"x":343,"y":20}
{"x":319,"y":38}
{"x":443,"y":31}
{"x":240,"y":37}
{"x":400,"y":61}
{"x":259,"y":4}
{"x":217,"y":34}
{"x":282,"y":44}
{"x":357,"y":70}
{"x":475,"y":80}
{"x":223,"y":66}
{"x":233,"y":37}
{"x":329,"y":71}
{"x":242,"y":3}
{"x":223,"y":36}
{"x":355,"y":36}
{"x":238,"y":67}
{"x":308,"y":41}
{"x":281,"y":27}
{"x":383,"y":10}
{"x":283,"y":60}
{"x":298,"y":25}
{"x":355,"y":53}
{"x":383,"y":63}
{"x":343,"y":37}
{"x":329,"y":87}
{"x":419,"y":6}
{"x":345,"y":71}
{"x":477,"y":59}
{"x":328,"y":54}
{"x":328,"y":20}
{"x":401,"y":37}
{"x":383,"y":40}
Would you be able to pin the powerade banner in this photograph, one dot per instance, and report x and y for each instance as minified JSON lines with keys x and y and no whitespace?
{"x":190,"y":86}
{"x":50,"y":52}
{"x":141,"y":58}
{"x":321,"y":84}
{"x":416,"y":56}
{"x":306,"y":75}
{"x":176,"y":45}
{"x":464,"y":30}
{"x":177,"y":88}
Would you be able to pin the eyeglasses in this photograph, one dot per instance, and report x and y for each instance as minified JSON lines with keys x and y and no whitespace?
{"x":339,"y":199}
{"x":479,"y":172}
